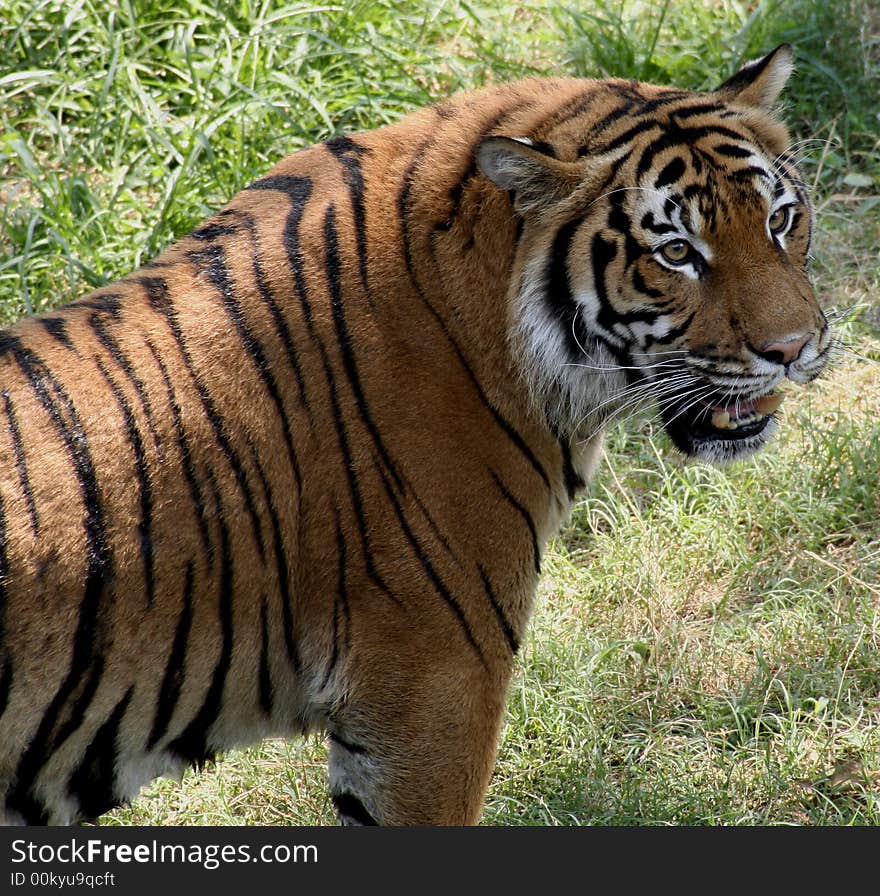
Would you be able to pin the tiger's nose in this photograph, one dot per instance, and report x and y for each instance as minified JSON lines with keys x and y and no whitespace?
{"x":784,"y":352}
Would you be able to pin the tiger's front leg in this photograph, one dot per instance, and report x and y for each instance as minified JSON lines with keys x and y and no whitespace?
{"x":418,"y":745}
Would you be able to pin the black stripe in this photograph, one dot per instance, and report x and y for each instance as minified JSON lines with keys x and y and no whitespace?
{"x":573,"y":480}
{"x":266,"y":689}
{"x":212,"y":260}
{"x":143,"y":479}
{"x":347,"y":152}
{"x":56,"y":327}
{"x":544,"y":147}
{"x":185,"y":456}
{"x":353,"y":487}
{"x":577,"y":105}
{"x":98,"y":325}
{"x":523,"y":511}
{"x":93,"y":784}
{"x":105,"y":302}
{"x":732,"y":150}
{"x":605,"y":253}
{"x":343,"y":337}
{"x":624,"y":137}
{"x":175,"y":666}
{"x":683,"y":138}
{"x":641,"y":316}
{"x":282,"y":569}
{"x":666,"y":98}
{"x":628,"y":89}
{"x":500,"y":615}
{"x":649,"y":222}
{"x":429,"y":519}
{"x":340,"y":605}
{"x":608,"y":120}
{"x":677,"y":332}
{"x":21,"y":465}
{"x":558,"y":293}
{"x":213,"y":230}
{"x":602,"y":254}
{"x":347,"y":745}
{"x":77,"y":712}
{"x":748,"y":172}
{"x":192,"y":744}
{"x":620,"y":221}
{"x":689,"y":192}
{"x":673,"y":171}
{"x":456,"y":194}
{"x":697,"y":109}
{"x":63,"y":414}
{"x":611,"y":173}
{"x":403,"y":200}
{"x":161,"y":302}
{"x":268,"y":299}
{"x":349,"y":806}
{"x":639,"y":284}
{"x":439,"y":586}
{"x":86,"y":664}
{"x":103,"y":305}
{"x":299,"y":190}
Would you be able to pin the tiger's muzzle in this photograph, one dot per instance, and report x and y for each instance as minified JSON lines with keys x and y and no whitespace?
{"x":714,"y":420}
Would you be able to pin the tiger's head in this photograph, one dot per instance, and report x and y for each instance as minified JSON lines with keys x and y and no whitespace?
{"x":663,"y":258}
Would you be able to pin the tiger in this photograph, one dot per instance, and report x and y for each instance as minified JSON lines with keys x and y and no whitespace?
{"x":296,"y":475}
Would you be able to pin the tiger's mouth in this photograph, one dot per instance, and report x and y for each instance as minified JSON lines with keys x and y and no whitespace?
{"x":721,"y":432}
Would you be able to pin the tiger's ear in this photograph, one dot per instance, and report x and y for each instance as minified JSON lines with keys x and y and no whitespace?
{"x":535,"y":177}
{"x":759,"y":83}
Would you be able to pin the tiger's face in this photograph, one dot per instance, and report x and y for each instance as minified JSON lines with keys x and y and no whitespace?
{"x":677,"y":277}
{"x":702,"y":269}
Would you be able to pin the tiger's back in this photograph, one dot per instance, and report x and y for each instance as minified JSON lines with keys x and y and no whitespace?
{"x":292,"y":474}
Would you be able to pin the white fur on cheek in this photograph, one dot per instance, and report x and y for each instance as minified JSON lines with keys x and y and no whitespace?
{"x":566,"y":390}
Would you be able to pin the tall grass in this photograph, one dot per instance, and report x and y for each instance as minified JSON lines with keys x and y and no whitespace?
{"x":126,"y":123}
{"x":706,"y":648}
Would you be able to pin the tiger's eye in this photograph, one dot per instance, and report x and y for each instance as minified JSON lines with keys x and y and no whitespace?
{"x":676,"y":251}
{"x":778,"y":221}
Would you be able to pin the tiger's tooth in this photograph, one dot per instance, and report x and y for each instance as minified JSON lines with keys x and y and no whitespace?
{"x":720,"y":419}
{"x":766,"y":404}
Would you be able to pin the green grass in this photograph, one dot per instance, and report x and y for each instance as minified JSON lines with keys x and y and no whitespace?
{"x":706,"y":648}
